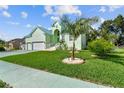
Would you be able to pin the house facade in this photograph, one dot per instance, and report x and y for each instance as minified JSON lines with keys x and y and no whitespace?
{"x":14,"y":44}
{"x":41,"y":39}
{"x":38,"y":39}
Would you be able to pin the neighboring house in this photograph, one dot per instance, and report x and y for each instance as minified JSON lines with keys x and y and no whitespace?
{"x":41,"y":39}
{"x":14,"y":44}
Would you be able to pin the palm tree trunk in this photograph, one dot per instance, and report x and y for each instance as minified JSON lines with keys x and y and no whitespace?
{"x":73,"y":50}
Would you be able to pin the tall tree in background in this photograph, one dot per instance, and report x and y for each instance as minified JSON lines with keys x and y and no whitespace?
{"x":2,"y":43}
{"x":118,"y":24}
{"x":113,"y":29}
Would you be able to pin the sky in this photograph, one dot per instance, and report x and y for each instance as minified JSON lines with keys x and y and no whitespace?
{"x":17,"y":21}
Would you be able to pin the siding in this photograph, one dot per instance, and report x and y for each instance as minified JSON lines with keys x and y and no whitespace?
{"x":38,"y":35}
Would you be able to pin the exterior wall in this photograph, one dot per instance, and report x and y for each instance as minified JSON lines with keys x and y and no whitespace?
{"x":84,"y":41}
{"x":49,"y":41}
{"x":11,"y":46}
{"x":22,"y":46}
{"x":56,"y":26}
{"x":38,"y":35}
{"x":78,"y":43}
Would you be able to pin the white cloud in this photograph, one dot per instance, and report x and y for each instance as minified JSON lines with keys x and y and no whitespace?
{"x":102,"y":20}
{"x":39,"y":25}
{"x":102,"y":9}
{"x":48,"y":10}
{"x":29,"y":26}
{"x":13,"y":23}
{"x":49,"y":28}
{"x":24,"y":15}
{"x":6,"y":14}
{"x":55,"y":18}
{"x":110,"y":8}
{"x":114,"y":7}
{"x":5,"y":7}
{"x":61,"y":10}
{"x":68,"y":9}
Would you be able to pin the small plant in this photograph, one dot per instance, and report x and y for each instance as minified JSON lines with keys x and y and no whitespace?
{"x":4,"y":85}
{"x":62,"y":45}
{"x":101,"y":46}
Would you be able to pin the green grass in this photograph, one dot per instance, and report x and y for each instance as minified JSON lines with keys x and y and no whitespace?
{"x":107,"y":70}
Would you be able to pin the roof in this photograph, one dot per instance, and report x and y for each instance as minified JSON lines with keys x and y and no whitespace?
{"x":49,"y":32}
{"x":15,"y":40}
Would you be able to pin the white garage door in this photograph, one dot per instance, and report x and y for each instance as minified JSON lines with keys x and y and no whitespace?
{"x":29,"y":46}
{"x":38,"y":46}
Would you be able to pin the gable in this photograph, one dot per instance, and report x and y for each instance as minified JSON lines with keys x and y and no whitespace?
{"x":38,"y":30}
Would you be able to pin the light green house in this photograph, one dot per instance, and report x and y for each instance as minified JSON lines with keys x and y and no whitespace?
{"x":41,"y":39}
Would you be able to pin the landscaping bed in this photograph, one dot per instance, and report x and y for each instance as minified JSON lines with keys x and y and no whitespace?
{"x":107,"y":70}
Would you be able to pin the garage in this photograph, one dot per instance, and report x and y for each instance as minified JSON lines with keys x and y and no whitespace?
{"x":29,"y":46}
{"x":38,"y":46}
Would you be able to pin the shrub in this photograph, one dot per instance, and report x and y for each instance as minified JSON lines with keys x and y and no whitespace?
{"x":2,"y":49}
{"x":100,"y":46}
{"x":2,"y":84}
{"x":62,"y":46}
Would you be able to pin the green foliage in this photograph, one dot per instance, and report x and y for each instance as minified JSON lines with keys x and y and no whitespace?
{"x":108,"y":70}
{"x":2,"y":84}
{"x":116,"y":27}
{"x":100,"y":46}
{"x":111,"y":37}
{"x":62,"y":45}
{"x":2,"y":43}
{"x":92,"y":35}
{"x":76,"y":28}
{"x":2,"y":49}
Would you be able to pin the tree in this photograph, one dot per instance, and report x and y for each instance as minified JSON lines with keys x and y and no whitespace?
{"x":92,"y":35}
{"x":118,"y":23}
{"x":76,"y":28}
{"x":113,"y":27}
{"x":2,"y":42}
{"x":109,"y":36}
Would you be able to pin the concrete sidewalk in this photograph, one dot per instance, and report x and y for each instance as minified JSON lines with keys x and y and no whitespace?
{"x":24,"y":77}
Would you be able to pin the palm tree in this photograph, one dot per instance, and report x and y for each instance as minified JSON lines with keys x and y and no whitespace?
{"x":76,"y":28}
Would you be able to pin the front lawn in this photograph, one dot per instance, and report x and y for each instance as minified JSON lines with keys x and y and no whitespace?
{"x":107,"y":71}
